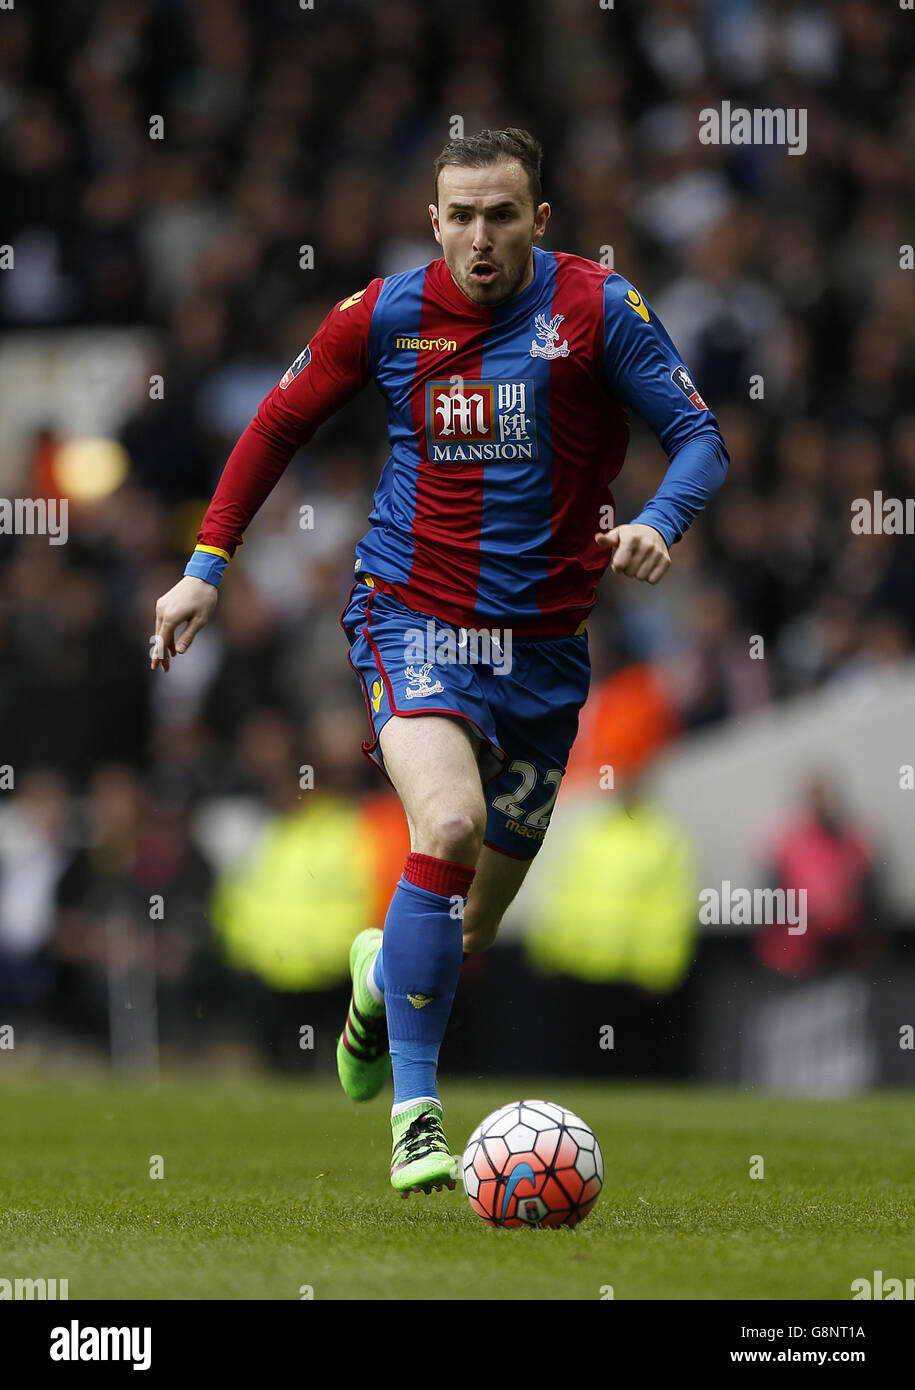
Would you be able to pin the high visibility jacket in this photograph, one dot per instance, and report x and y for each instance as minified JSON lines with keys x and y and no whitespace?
{"x":620,"y":902}
{"x":290,"y":912}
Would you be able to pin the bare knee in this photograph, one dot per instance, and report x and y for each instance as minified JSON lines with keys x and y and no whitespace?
{"x":456,"y":835}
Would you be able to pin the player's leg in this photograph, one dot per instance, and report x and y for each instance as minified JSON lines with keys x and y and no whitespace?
{"x":495,"y":886}
{"x":535,"y":705}
{"x":429,"y":754}
{"x":431,"y":760}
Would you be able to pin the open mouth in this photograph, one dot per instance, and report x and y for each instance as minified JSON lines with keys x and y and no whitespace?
{"x":483,"y":272}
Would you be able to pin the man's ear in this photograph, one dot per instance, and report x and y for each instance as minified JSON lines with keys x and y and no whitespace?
{"x":433,"y":213}
{"x":540,"y":221}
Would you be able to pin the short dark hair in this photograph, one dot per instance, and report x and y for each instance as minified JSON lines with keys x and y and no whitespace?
{"x":489,"y":146}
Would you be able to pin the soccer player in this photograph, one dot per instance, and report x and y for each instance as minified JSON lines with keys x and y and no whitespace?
{"x":507,"y":371}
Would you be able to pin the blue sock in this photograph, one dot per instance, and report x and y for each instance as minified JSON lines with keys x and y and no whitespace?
{"x":418,"y":969}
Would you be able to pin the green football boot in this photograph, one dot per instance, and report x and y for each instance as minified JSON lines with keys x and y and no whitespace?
{"x":420,"y":1160}
{"x":363,"y":1059}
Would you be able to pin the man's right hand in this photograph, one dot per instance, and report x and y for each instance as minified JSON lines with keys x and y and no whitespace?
{"x":191,"y":601}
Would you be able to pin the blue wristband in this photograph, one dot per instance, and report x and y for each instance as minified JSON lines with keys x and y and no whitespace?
{"x":207,"y":563}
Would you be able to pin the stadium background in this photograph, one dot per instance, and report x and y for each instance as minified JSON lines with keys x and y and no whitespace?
{"x":170,"y":893}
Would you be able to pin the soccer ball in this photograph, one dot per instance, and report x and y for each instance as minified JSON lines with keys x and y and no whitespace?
{"x":532,"y":1163}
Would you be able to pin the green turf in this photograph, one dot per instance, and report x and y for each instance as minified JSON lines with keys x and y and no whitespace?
{"x":271,"y":1185}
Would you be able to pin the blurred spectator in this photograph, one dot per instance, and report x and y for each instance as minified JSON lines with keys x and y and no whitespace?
{"x":34,"y":851}
{"x":318,"y":868}
{"x":620,"y":903}
{"x":130,"y":909}
{"x":823,"y":853}
{"x":626,"y":720}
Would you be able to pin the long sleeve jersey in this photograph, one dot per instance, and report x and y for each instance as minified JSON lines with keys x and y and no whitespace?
{"x":507,"y":426}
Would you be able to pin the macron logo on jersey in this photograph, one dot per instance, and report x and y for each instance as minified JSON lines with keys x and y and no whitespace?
{"x":411,"y":342}
{"x":681,"y":377}
{"x":481,"y":420}
{"x":636,"y":302}
{"x":292,"y":372}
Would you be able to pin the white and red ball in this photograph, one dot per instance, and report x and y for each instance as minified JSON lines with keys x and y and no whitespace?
{"x":532,"y":1163}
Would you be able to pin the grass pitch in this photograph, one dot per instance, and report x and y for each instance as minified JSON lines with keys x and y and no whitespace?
{"x":272,"y":1185}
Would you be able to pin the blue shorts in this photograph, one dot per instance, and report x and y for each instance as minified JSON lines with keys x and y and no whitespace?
{"x":522,"y":698}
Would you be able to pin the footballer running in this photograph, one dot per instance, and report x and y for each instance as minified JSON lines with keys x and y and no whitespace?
{"x":507,"y":371}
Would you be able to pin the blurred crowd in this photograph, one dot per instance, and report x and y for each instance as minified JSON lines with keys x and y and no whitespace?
{"x":779,"y":277}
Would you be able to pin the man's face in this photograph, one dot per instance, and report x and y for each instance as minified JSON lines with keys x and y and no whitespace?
{"x":486,"y":224}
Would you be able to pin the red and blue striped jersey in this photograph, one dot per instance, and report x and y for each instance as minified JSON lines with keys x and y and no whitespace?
{"x":507,"y":426}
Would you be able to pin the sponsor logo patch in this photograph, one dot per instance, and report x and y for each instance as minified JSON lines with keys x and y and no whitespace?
{"x":681,"y":377}
{"x":416,"y":342}
{"x":480,"y":420}
{"x":292,"y":372}
{"x":636,"y":302}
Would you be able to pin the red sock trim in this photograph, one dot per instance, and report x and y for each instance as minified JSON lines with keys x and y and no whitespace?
{"x":439,"y":875}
